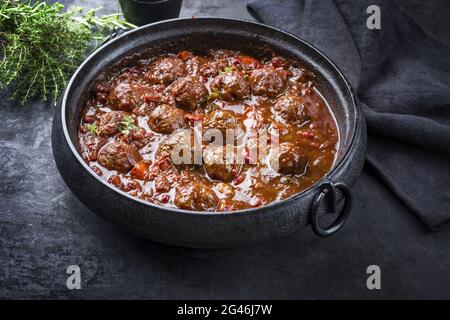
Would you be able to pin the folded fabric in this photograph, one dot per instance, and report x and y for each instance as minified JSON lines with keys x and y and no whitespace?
{"x":402,"y":79}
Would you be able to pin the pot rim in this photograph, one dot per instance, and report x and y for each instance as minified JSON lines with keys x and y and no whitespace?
{"x":295,"y":197}
{"x":151,"y":2}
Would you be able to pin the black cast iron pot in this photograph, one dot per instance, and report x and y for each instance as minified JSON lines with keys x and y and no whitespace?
{"x":200,"y":229}
{"x":140,"y":12}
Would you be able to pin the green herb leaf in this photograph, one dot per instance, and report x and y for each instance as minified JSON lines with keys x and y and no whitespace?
{"x":127,"y":125}
{"x":215,"y":94}
{"x":287,"y":180}
{"x":41,"y":45}
{"x":92,"y":129}
{"x":226,"y":70}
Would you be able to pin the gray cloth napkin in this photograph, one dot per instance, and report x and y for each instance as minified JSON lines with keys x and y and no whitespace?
{"x":402,"y":79}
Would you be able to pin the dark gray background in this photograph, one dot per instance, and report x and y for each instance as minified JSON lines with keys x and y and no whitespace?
{"x":44,"y":228}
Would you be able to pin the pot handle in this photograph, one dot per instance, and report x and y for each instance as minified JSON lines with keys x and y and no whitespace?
{"x":114,"y":33}
{"x":328,"y":192}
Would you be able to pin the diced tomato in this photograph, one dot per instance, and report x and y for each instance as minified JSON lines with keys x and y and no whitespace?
{"x":140,"y":171}
{"x":278,"y":126}
{"x":152,"y":98}
{"x":192,"y":118}
{"x":184,"y":55}
{"x":115,"y":180}
{"x":249,"y":62}
{"x":97,"y":170}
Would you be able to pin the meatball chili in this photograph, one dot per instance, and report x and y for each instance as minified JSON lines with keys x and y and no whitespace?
{"x":145,"y":130}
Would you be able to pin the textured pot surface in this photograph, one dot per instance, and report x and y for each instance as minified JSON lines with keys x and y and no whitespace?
{"x":195,"y":229}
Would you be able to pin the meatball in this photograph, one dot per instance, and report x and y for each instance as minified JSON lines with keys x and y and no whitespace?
{"x":205,"y":67}
{"x":121,"y":97}
{"x":231,"y":86}
{"x":151,"y":100}
{"x":267,"y":81}
{"x":125,"y":95}
{"x":222,"y":164}
{"x":289,"y":159}
{"x":195,"y":195}
{"x":189,"y":93}
{"x":180,"y":141}
{"x":119,"y":156}
{"x":166,"y":70}
{"x":222,"y":120}
{"x":290,"y":109}
{"x":109,"y":123}
{"x":166,"y":119}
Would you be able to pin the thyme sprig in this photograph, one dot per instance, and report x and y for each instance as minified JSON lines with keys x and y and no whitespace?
{"x":41,"y":45}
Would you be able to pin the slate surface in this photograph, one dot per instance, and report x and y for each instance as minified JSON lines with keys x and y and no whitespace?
{"x":44,"y":228}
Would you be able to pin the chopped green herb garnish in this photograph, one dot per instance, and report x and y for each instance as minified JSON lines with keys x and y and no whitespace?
{"x":215,"y":94}
{"x":127,"y":125}
{"x":287,"y":180}
{"x":226,"y":70}
{"x":92,"y":129}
